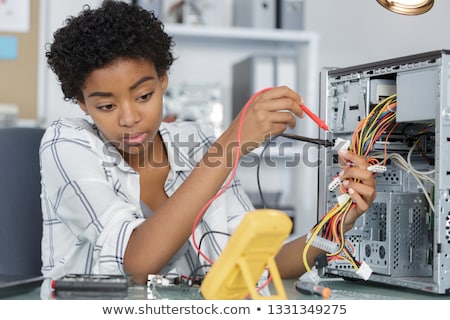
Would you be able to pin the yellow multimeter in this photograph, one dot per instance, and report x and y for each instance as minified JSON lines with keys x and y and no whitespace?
{"x":250,"y":250}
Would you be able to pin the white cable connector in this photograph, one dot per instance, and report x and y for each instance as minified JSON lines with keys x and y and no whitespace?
{"x":364,"y":271}
{"x":377,"y":168}
{"x":311,"y":276}
{"x":335,"y":183}
{"x":342,"y":198}
{"x":341,"y":144}
{"x":324,"y":244}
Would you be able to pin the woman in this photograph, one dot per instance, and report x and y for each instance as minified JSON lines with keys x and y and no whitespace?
{"x":121,"y":193}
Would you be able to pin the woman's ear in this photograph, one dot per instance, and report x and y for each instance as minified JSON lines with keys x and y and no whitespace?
{"x":164,"y":79}
{"x":83,"y":107}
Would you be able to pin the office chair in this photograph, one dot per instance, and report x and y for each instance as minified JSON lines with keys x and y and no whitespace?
{"x":20,"y":204}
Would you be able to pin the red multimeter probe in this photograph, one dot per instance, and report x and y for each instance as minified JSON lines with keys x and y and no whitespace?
{"x":315,"y":118}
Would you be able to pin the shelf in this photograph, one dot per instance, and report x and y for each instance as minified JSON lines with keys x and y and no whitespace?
{"x":240,"y":33}
{"x":221,"y":47}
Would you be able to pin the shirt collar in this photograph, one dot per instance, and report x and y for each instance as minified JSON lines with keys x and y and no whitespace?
{"x":179,"y":149}
{"x":178,"y":152}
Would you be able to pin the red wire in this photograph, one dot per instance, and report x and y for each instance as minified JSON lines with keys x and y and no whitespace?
{"x":230,"y":179}
{"x":316,"y":119}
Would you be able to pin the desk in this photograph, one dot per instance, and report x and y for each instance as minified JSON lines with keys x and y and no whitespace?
{"x":341,"y":290}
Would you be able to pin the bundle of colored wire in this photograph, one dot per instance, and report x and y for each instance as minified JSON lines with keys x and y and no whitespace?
{"x":369,"y":130}
{"x":380,"y":120}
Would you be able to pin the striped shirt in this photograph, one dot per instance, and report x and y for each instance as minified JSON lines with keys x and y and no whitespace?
{"x":91,"y":203}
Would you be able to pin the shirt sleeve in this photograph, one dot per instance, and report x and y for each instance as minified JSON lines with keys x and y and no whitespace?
{"x":91,"y":210}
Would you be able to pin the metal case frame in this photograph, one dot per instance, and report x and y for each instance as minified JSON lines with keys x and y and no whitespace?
{"x":404,"y":242}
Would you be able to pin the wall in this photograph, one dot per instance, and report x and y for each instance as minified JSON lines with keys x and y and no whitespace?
{"x":51,"y":104}
{"x":355,"y":31}
{"x":18,"y":77}
{"x":351,"y":32}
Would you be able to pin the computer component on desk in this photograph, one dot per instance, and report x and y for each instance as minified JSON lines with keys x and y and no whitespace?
{"x":404,"y":238}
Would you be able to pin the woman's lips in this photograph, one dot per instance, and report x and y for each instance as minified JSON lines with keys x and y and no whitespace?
{"x":134,"y":139}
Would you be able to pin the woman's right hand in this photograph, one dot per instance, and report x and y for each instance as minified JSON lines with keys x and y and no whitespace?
{"x":270,"y":112}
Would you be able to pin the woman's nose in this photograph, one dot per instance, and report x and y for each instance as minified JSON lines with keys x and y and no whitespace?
{"x":129,"y":115}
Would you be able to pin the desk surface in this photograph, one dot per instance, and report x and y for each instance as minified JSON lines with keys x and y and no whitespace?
{"x":340,"y":290}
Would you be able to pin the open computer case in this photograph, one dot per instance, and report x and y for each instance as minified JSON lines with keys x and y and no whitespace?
{"x":405,"y":236}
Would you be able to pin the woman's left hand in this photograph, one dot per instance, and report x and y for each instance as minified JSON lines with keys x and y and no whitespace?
{"x":359,"y":182}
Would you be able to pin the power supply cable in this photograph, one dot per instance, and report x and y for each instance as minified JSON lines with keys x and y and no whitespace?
{"x":381,"y":119}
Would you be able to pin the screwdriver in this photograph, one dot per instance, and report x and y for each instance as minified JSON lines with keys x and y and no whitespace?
{"x":312,"y":288}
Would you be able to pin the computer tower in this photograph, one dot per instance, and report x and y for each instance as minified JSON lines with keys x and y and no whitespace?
{"x":249,"y":76}
{"x":261,"y":71}
{"x":405,"y":235}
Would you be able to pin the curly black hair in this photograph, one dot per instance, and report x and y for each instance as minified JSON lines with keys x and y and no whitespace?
{"x":98,"y":37}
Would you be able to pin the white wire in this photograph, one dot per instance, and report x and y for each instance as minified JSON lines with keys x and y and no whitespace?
{"x":419,"y":176}
{"x":410,"y":163}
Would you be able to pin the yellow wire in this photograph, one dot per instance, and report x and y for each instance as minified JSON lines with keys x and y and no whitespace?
{"x":363,"y":134}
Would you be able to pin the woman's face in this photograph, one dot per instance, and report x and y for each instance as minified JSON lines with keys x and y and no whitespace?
{"x":125,"y":102}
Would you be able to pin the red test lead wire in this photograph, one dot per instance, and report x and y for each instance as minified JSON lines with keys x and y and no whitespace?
{"x":314,"y":117}
{"x":305,"y":109}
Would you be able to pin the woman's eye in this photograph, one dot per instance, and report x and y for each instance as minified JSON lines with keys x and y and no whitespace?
{"x":107,"y":107}
{"x":145,"y":97}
